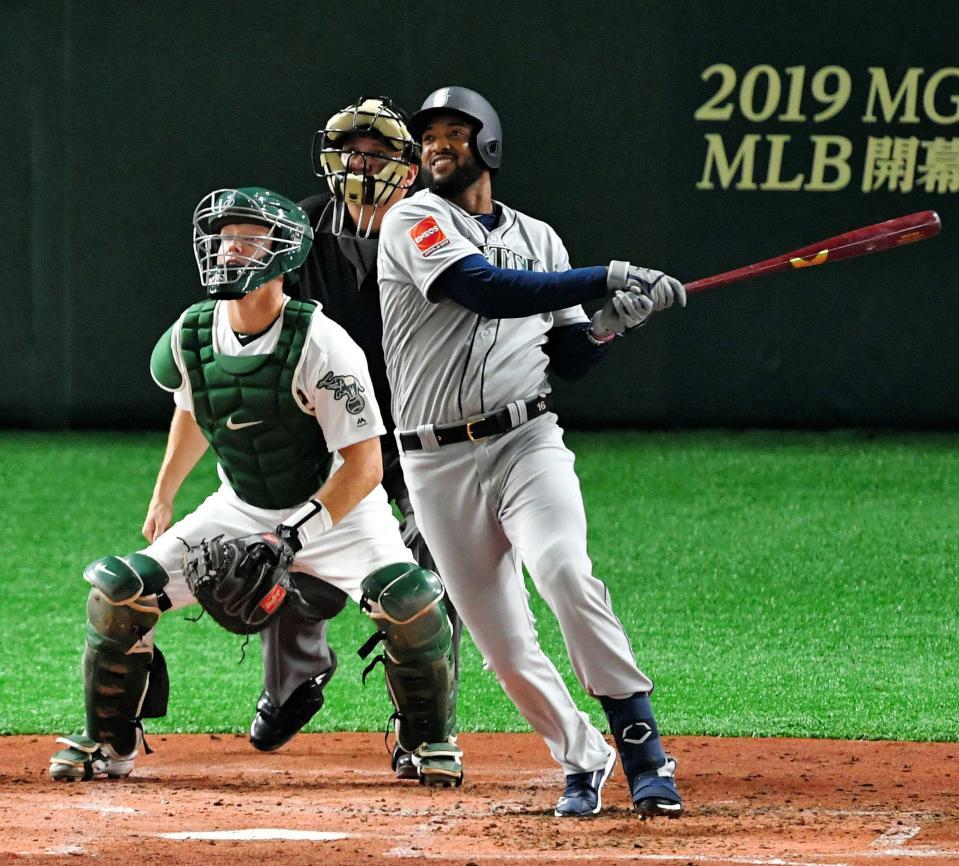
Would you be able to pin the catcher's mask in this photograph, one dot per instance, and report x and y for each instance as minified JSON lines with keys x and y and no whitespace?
{"x":365,"y":179}
{"x":232,"y":265}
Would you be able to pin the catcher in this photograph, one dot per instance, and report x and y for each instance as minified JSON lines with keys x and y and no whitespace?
{"x":300,"y":522}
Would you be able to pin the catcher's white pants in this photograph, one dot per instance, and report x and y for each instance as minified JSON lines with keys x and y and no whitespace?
{"x":487,"y":507}
{"x":363,"y":541}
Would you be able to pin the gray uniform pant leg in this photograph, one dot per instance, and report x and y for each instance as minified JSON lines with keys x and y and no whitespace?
{"x":295,"y":649}
{"x":452,"y":497}
{"x":542,"y":513}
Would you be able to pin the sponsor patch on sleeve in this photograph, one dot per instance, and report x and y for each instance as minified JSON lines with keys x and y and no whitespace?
{"x":428,"y":236}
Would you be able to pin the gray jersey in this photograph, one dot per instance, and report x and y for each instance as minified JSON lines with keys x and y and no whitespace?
{"x":446,"y":363}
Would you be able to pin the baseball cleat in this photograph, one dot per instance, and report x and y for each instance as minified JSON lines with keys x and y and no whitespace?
{"x":584,"y":792}
{"x":85,"y":759}
{"x":273,"y":726}
{"x":439,"y":764}
{"x":402,"y":763}
{"x":655,"y":794}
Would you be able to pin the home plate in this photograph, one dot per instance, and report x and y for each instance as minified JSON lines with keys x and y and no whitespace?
{"x":256,"y":834}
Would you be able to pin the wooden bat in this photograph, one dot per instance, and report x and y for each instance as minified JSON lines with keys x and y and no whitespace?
{"x":859,"y":242}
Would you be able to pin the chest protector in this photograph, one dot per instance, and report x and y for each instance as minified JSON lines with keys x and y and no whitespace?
{"x":272,"y":452}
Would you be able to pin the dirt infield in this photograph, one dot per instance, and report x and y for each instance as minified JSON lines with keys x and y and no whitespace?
{"x":330,"y":799}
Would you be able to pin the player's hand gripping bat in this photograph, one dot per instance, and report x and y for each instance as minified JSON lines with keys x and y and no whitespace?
{"x":859,"y":242}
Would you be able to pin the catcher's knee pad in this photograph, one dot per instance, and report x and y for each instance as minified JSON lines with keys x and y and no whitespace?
{"x":121,"y":608}
{"x":407,"y":604}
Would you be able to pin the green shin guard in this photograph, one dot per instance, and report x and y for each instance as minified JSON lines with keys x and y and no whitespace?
{"x":407,"y":604}
{"x":121,"y":608}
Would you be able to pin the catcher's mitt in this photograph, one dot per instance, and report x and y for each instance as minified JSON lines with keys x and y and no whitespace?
{"x":240,"y":582}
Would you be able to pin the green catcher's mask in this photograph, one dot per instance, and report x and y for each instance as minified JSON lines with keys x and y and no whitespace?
{"x":233,"y":264}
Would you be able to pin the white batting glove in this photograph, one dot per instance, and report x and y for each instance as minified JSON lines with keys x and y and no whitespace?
{"x":622,"y":312}
{"x":664,"y":290}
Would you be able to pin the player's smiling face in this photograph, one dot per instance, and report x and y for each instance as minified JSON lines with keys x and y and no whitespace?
{"x":449,"y":165}
{"x":446,"y":144}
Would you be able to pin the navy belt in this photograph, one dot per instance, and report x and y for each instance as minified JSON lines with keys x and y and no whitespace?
{"x":501,"y":421}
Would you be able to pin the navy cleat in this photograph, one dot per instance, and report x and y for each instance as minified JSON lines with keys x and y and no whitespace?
{"x":654,"y":793}
{"x":583,"y":794}
{"x":273,"y":726}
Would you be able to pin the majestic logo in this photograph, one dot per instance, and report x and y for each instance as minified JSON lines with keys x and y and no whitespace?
{"x":345,"y":386}
{"x":503,"y":257}
{"x":428,"y":236}
{"x":637,"y":733}
{"x":239,"y":425}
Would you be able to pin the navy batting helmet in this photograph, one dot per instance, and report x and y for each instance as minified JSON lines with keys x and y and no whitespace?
{"x":488,"y":137}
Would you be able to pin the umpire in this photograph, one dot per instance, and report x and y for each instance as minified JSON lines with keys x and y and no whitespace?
{"x":370,"y":162}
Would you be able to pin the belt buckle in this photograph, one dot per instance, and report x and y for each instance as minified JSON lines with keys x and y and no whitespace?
{"x":469,"y":430}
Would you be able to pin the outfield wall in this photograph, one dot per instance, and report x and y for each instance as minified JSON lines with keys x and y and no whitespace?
{"x":695,"y":137}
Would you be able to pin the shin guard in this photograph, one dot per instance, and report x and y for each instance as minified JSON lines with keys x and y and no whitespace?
{"x":407,"y":604}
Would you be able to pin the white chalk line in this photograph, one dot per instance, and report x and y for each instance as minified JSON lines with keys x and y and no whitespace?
{"x":699,"y":856}
{"x":256,"y":834}
{"x":895,"y":837}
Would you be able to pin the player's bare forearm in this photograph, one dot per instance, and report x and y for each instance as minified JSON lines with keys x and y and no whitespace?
{"x":360,"y":472}
{"x":185,"y":446}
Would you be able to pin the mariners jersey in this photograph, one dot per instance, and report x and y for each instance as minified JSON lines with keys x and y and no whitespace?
{"x":446,"y":363}
{"x":331,"y":381}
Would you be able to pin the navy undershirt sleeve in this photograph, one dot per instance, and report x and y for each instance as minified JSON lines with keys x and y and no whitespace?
{"x":571,"y":353}
{"x":505,"y":293}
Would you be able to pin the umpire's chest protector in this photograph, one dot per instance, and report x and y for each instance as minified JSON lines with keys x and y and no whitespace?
{"x":272,"y":452}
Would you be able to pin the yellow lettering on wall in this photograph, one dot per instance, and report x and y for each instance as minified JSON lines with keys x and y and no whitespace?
{"x":907,"y":93}
{"x":822,"y":160}
{"x":716,"y":159}
{"x":929,"y":96}
{"x":776,"y":145}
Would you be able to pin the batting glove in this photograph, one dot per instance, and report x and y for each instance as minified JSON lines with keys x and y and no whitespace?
{"x":622,"y":312}
{"x":662,"y":289}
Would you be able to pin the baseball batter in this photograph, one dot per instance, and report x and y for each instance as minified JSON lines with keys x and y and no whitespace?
{"x":283,"y":397}
{"x":478,"y":301}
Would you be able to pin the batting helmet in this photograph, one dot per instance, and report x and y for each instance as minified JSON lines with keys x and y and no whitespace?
{"x":488,"y":137}
{"x":281,"y":251}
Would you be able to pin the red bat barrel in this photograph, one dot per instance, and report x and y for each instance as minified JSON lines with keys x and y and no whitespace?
{"x":859,"y":242}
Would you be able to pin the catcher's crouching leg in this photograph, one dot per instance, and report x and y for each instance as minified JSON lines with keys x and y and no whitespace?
{"x":407,"y":604}
{"x":123,"y":679}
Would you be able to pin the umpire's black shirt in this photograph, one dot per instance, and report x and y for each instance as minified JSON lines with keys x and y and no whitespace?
{"x":340,"y":273}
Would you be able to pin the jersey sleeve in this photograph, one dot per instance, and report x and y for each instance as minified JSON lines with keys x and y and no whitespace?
{"x":418,"y":241}
{"x":166,"y":367}
{"x":334,"y":383}
{"x":560,"y":262}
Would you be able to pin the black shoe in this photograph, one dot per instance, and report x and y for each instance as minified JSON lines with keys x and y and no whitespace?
{"x":273,"y":727}
{"x":403,"y":765}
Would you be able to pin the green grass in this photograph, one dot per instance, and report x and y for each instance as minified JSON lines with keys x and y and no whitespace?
{"x":773,"y":584}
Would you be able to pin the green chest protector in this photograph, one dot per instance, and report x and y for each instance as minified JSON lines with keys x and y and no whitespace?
{"x":271,"y":451}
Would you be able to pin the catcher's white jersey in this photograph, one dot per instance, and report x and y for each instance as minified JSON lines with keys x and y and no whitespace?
{"x":468,"y":364}
{"x":331,"y":380}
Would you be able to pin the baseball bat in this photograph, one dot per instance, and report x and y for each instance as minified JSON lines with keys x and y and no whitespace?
{"x":859,"y":242}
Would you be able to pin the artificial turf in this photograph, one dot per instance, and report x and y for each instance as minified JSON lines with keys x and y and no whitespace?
{"x":773,"y":584}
